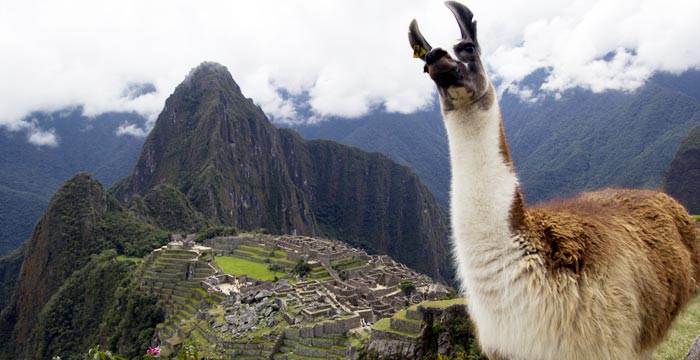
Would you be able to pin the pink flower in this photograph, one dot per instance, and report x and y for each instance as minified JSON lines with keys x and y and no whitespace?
{"x":153,"y":351}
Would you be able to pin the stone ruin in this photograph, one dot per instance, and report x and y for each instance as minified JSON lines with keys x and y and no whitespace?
{"x":360,"y":284}
{"x":178,"y":241}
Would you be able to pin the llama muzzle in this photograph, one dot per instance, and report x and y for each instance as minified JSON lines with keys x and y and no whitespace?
{"x":444,"y":70}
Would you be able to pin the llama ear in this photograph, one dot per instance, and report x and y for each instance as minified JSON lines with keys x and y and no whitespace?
{"x":464,"y":18}
{"x":419,"y":45}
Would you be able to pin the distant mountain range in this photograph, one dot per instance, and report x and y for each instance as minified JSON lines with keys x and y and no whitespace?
{"x":588,"y":141}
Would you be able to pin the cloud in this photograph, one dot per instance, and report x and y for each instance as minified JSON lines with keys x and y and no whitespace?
{"x":602,"y":45}
{"x":43,"y":138}
{"x":131,"y":130}
{"x":39,"y":137}
{"x":344,"y":57}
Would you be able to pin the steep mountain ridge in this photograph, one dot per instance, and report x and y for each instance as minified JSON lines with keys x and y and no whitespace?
{"x":57,"y":248}
{"x":219,"y":149}
{"x":369,"y":201}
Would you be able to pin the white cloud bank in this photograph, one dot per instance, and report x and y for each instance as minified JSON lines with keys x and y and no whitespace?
{"x":347,"y":56}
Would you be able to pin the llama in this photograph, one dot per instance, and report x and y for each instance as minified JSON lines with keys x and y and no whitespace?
{"x":598,"y":276}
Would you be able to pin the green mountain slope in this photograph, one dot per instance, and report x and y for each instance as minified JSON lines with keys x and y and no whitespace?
{"x":683,"y":177}
{"x":369,"y":201}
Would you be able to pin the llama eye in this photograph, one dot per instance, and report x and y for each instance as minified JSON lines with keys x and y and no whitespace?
{"x":466,"y":49}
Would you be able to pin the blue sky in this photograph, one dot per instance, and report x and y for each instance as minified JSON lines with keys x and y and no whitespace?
{"x":347,"y":57}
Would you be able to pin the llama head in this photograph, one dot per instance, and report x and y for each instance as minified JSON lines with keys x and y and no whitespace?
{"x":461,"y":81}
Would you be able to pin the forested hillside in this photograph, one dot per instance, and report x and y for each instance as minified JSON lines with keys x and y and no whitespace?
{"x":587,"y":141}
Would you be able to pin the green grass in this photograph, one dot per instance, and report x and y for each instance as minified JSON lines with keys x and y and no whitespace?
{"x":383,"y":324}
{"x":281,"y":253}
{"x":257,"y":249}
{"x":402,"y":315}
{"x":252,"y":254}
{"x":684,"y":331}
{"x":696,"y":217}
{"x":442,"y":303}
{"x":129,"y":258}
{"x":237,"y":266}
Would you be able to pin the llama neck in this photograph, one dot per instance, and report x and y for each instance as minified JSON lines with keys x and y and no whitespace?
{"x":486,"y":203}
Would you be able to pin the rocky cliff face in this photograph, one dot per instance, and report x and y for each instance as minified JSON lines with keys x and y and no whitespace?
{"x":235,"y":168}
{"x":683,"y":175}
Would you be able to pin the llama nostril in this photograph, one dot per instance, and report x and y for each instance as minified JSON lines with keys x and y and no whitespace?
{"x":435,"y":55}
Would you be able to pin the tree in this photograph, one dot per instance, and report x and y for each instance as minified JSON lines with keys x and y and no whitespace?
{"x":275,"y":268}
{"x":408,"y":287}
{"x":302,"y":268}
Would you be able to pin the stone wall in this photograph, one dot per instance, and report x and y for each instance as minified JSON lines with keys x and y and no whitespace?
{"x":411,"y":326}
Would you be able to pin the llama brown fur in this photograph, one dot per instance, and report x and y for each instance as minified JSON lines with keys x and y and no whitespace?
{"x":588,"y":232}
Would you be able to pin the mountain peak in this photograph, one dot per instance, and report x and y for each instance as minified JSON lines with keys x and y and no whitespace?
{"x":210,"y":75}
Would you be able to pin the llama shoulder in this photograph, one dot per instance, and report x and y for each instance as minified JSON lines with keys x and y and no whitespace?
{"x":595,"y":227}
